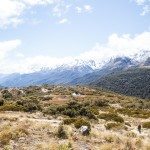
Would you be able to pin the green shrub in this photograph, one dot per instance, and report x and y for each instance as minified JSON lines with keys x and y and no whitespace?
{"x":74,"y":104}
{"x":139,"y":113}
{"x":29,"y":104}
{"x":52,"y":110}
{"x":60,"y":109}
{"x":6,"y":94}
{"x":81,"y":122}
{"x":146,"y":125}
{"x":69,"y":121}
{"x":95,"y":111}
{"x":101,"y":103}
{"x":1,"y":102}
{"x":111,"y":117}
{"x":29,"y":107}
{"x":19,"y":102}
{"x":110,"y":126}
{"x":11,"y":107}
{"x":61,"y":133}
{"x":71,"y":112}
{"x":85,"y":111}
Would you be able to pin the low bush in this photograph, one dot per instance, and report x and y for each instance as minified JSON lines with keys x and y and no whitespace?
{"x":82,"y":122}
{"x":71,"y":112}
{"x":1,"y":102}
{"x":100,"y":103}
{"x":69,"y":121}
{"x":111,"y":117}
{"x":110,"y":126}
{"x":11,"y":106}
{"x":6,"y":94}
{"x":95,"y":111}
{"x":146,"y":125}
{"x":61,"y":133}
{"x":85,"y":111}
{"x":138,"y":113}
{"x":52,"y":110}
{"x":72,"y":109}
{"x":12,"y":134}
{"x":29,"y":104}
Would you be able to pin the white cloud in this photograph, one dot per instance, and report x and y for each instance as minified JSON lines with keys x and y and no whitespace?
{"x":38,"y":2}
{"x":146,"y":10}
{"x":63,"y":21}
{"x":140,"y":2}
{"x":84,"y":9}
{"x":12,"y":12}
{"x":87,"y":8}
{"x":60,"y":9}
{"x":145,"y":4}
{"x":79,"y":10}
{"x":117,"y":45}
{"x":8,"y":46}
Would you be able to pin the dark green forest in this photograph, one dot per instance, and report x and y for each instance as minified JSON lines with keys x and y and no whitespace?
{"x":133,"y":82}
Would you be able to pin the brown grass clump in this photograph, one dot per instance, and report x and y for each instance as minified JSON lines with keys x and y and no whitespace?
{"x":146,"y":125}
{"x":110,"y":126}
{"x":82,"y":122}
{"x":69,"y":121}
{"x":9,"y":133}
{"x":111,"y":117}
{"x":61,"y":133}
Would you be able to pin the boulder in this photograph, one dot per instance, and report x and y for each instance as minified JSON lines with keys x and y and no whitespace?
{"x":84,"y":130}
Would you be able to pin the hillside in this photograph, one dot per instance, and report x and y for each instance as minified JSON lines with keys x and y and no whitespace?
{"x":55,"y":118}
{"x":132,"y":82}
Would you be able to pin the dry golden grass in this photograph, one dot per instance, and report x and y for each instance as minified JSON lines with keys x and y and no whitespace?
{"x":38,"y":131}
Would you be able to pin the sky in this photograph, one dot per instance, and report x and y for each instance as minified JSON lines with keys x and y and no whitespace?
{"x":46,"y":33}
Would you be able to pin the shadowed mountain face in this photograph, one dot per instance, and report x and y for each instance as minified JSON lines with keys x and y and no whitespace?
{"x":147,"y":62}
{"x":59,"y":75}
{"x":113,"y":66}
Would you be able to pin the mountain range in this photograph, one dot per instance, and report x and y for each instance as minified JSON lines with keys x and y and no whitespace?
{"x":117,"y":71}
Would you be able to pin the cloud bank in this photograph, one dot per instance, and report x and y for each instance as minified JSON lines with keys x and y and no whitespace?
{"x":117,"y":45}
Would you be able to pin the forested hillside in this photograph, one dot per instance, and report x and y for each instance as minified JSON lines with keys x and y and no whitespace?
{"x":133,"y":82}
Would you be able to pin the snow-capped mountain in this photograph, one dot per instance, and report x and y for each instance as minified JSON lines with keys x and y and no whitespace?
{"x":94,"y":64}
{"x":141,"y":56}
{"x":77,"y":70}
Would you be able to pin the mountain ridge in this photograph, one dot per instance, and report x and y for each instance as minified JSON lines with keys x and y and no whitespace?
{"x":79,"y":72}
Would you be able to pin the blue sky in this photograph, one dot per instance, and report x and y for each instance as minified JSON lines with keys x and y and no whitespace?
{"x":67,"y":28}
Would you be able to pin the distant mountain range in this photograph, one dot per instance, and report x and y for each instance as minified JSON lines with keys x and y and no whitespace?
{"x":108,"y":74}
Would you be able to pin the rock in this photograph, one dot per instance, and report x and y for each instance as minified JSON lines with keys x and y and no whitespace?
{"x":84,"y":130}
